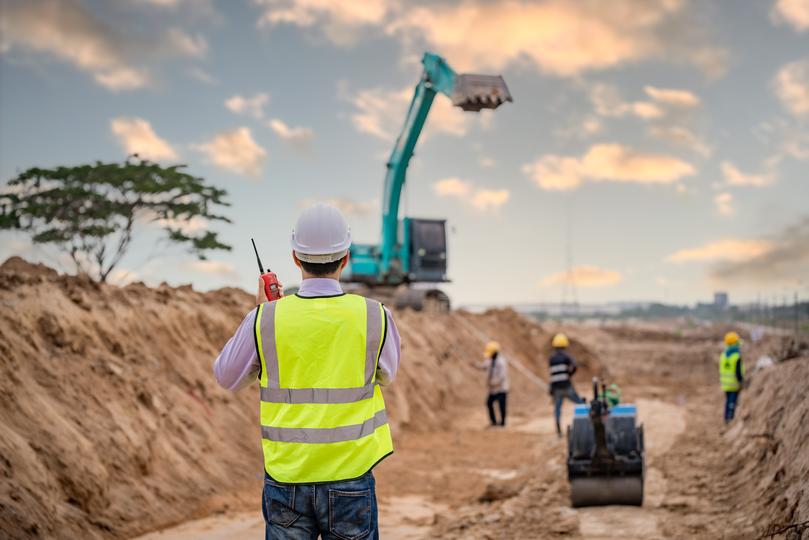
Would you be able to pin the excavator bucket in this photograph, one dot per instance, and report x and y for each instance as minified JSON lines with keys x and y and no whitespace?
{"x":476,"y":92}
{"x":606,"y":456}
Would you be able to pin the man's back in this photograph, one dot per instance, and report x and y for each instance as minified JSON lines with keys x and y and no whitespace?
{"x":561,"y":367}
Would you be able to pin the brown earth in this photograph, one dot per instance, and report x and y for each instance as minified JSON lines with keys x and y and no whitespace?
{"x":114,"y":426}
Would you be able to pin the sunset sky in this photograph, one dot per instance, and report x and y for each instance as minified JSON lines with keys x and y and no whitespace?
{"x":666,"y":143}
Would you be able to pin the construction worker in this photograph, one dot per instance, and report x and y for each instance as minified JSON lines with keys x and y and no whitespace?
{"x":731,"y":373}
{"x":612,"y":395}
{"x":320,"y":357}
{"x":561,"y":367}
{"x":496,"y":367}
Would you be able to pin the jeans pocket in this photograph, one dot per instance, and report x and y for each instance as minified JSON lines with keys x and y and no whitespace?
{"x":350,"y":513}
{"x":279,"y":504}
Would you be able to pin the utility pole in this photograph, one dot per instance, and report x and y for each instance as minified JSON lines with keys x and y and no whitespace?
{"x":796,"y":313}
{"x":570,"y":301}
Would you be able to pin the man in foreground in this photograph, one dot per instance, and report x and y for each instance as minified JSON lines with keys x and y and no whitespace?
{"x":731,"y":373}
{"x":320,"y":357}
{"x":561,"y":367}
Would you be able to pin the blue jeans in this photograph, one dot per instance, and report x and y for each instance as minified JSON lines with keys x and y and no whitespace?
{"x":344,"y":510}
{"x":559,"y":395}
{"x":731,"y":400}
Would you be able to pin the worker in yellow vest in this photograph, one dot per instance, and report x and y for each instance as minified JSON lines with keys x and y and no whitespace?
{"x":320,"y":357}
{"x":731,"y":373}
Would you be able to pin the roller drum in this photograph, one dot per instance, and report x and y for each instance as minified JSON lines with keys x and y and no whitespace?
{"x":602,"y":491}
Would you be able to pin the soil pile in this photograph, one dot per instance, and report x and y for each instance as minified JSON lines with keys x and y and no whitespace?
{"x":768,"y":465}
{"x":110,"y":417}
{"x":113,"y":424}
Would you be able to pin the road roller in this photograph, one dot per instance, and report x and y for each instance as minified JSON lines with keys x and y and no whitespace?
{"x":606,"y":458}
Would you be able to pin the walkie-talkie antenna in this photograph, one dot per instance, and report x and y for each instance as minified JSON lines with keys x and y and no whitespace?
{"x":258,"y":259}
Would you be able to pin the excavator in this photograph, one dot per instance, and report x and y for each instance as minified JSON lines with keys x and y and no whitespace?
{"x":413,"y":251}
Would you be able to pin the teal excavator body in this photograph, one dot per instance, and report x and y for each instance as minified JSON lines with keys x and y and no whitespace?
{"x":414,"y":250}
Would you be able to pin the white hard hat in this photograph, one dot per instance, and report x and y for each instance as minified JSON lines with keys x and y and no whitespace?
{"x":321,"y":235}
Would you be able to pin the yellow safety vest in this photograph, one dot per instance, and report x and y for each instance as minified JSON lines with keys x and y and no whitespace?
{"x":727,"y":371}
{"x":322,"y":413}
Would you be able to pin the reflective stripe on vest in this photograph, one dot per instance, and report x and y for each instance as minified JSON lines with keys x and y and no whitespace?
{"x":323,"y":417}
{"x":559,"y":373}
{"x":727,"y":372}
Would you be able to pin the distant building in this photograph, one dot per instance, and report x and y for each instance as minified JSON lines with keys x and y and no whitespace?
{"x":720,"y":300}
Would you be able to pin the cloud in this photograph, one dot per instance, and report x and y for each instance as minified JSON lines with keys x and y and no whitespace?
{"x":489,"y":199}
{"x":673,"y":97}
{"x":584,"y":276}
{"x":202,"y":76}
{"x":68,"y":31}
{"x":452,"y":187}
{"x":668,"y":112}
{"x":122,"y":276}
{"x":791,"y":85}
{"x":349,"y":207}
{"x":487,"y":162}
{"x":558,"y":37}
{"x":194,"y":7}
{"x":216,"y":268}
{"x":729,"y":249}
{"x":681,"y":136}
{"x":735,"y":177}
{"x":607,"y":102}
{"x":339,"y":19}
{"x":381,"y":113}
{"x":788,"y":137}
{"x":250,"y":106}
{"x":793,"y":12}
{"x":188,"y":226}
{"x":137,"y":137}
{"x":724,"y":204}
{"x":186,"y":44}
{"x":606,"y":163}
{"x":784,"y":262}
{"x":482,"y":199}
{"x":236,"y":151}
{"x":299,"y":137}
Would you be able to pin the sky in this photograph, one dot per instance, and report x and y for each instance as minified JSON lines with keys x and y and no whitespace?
{"x":654,"y":151}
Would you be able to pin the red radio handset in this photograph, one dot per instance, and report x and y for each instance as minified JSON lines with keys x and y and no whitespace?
{"x":272,"y":287}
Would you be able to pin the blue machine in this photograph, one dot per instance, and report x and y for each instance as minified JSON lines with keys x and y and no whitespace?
{"x":415,"y":250}
{"x":606,"y":455}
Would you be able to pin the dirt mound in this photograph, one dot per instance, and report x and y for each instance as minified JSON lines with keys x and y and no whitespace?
{"x":110,"y":419}
{"x":113,"y":424}
{"x":768,"y":465}
{"x":18,"y":265}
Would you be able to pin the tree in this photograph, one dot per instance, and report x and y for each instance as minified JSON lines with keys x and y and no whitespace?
{"x":90,"y":212}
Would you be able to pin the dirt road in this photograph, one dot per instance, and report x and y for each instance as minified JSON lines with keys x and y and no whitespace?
{"x":474,"y":482}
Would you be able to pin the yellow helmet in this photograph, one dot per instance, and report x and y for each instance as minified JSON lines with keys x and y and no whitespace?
{"x":560,"y":341}
{"x":731,"y":338}
{"x":492,"y":347}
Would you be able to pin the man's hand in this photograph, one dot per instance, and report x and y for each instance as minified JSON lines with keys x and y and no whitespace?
{"x":261,"y":296}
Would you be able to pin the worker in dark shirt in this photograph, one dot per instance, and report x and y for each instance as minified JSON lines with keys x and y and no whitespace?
{"x":561,"y":367}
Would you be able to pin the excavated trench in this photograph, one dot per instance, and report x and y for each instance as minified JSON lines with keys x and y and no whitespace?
{"x":473,"y":482}
{"x":114,"y":427}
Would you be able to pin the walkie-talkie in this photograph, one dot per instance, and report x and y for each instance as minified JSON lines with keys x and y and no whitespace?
{"x":272,"y":287}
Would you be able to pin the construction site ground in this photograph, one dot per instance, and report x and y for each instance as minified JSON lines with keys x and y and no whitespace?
{"x":115,"y":427}
{"x":474,"y":481}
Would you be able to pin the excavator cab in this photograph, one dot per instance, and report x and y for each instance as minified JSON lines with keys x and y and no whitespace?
{"x":427,"y":244}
